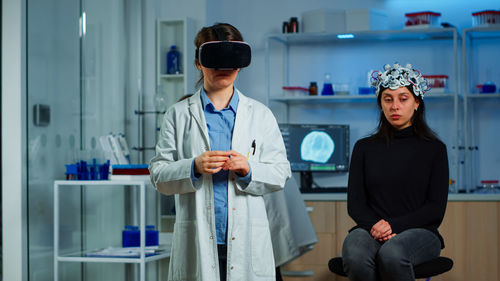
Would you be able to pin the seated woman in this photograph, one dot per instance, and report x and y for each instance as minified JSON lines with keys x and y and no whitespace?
{"x":398,"y":184}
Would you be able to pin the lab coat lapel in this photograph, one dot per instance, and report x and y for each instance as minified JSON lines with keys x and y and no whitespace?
{"x":196,"y":110}
{"x":241,"y":123}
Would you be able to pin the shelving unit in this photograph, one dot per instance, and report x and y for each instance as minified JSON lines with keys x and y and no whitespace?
{"x":181,"y":33}
{"x":481,"y":111}
{"x":372,"y":35}
{"x":345,"y":98}
{"x":80,"y":257}
{"x":169,"y":87}
{"x":297,"y":39}
{"x":291,"y":57}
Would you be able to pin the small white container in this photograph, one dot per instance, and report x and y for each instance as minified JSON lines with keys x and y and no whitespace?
{"x":365,"y":19}
{"x":488,"y":186}
{"x":295,"y":91}
{"x":341,"y":89}
{"x":486,"y":18}
{"x":422,"y":19}
{"x":323,"y":20}
{"x":439,"y":83}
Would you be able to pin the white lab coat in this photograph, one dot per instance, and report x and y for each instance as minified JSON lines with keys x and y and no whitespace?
{"x":184,"y":136}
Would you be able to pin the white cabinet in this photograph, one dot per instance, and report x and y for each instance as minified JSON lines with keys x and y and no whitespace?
{"x":300,"y":58}
{"x":180,"y":33}
{"x":66,"y":253}
{"x":480,"y":47}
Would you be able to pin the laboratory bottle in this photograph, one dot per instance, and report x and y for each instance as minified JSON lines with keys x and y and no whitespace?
{"x":294,"y":25}
{"x":173,"y":61}
{"x":286,"y":27}
{"x":131,"y":236}
{"x":327,"y":86}
{"x":151,"y":236}
{"x":161,"y":102}
{"x":313,"y":89}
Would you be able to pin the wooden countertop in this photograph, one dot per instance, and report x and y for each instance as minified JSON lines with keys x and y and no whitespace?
{"x":451,"y":197}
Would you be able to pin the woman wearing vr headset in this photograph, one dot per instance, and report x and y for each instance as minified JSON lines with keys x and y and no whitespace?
{"x":219,"y":152}
{"x":398,"y":185}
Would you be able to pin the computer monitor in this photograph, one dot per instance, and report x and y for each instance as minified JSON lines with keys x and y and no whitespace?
{"x":316,"y":148}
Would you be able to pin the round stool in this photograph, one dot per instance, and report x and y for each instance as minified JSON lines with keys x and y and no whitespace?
{"x":426,"y":269}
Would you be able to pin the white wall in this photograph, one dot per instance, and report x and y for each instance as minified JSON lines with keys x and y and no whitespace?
{"x":256,"y":19}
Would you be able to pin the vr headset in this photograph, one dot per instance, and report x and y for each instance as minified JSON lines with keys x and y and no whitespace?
{"x":224,"y":54}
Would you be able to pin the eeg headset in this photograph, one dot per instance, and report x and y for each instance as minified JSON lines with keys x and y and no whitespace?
{"x":224,"y":54}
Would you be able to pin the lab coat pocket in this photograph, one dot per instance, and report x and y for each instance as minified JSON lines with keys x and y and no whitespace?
{"x":185,"y":253}
{"x":262,"y":249}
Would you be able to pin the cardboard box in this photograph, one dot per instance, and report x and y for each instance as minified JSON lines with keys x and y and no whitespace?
{"x":365,"y":19}
{"x":323,"y":20}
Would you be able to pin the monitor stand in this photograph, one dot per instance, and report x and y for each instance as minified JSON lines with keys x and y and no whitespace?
{"x":306,"y":180}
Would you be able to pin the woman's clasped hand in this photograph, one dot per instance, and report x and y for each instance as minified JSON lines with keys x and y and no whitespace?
{"x":211,"y":162}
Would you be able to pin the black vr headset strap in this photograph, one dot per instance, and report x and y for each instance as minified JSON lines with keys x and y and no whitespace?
{"x":219,"y":33}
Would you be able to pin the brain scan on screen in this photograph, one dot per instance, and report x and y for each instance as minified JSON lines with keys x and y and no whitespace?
{"x":317,"y":146}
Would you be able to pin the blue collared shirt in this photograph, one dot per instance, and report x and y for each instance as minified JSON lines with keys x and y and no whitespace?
{"x":220,"y":124}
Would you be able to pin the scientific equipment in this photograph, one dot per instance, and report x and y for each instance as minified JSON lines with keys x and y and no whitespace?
{"x":422,"y":19}
{"x":131,"y":236}
{"x":286,"y":27}
{"x":488,"y":187}
{"x":85,"y":171}
{"x":151,"y":236}
{"x":486,"y":18}
{"x":87,"y":165}
{"x":341,"y":89}
{"x":488,"y":88}
{"x":327,"y":86}
{"x":124,"y":146}
{"x":115,"y":148}
{"x":295,"y":91}
{"x":294,"y":25}
{"x":130,"y":169}
{"x":439,"y":83}
{"x":366,"y":91}
{"x":313,"y":89}
{"x":173,"y":61}
{"x":318,"y":148}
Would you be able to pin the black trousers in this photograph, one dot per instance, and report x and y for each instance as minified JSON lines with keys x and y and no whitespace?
{"x":278,"y":274}
{"x":222,"y":252}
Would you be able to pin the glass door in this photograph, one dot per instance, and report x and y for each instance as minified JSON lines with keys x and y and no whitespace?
{"x":76,"y":69}
{"x":53,"y":109}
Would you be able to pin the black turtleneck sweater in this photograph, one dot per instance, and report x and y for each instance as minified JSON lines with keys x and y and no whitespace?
{"x":404,"y":182}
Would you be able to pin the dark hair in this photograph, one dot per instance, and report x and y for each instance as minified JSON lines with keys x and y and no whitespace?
{"x":386,"y":131}
{"x":184,"y":97}
{"x":208,"y":33}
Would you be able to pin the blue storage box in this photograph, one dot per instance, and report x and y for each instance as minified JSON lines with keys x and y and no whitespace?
{"x":131,"y":236}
